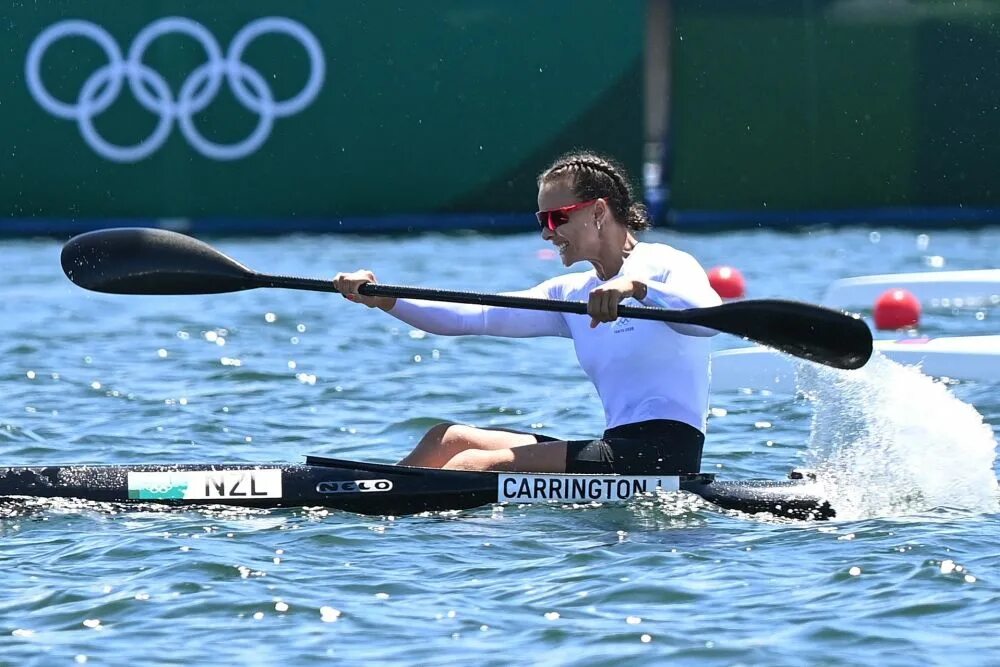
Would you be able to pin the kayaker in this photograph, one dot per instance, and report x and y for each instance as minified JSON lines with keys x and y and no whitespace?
{"x":652,"y":377}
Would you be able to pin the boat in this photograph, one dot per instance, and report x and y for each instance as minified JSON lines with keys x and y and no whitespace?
{"x":390,"y":490}
{"x":935,"y":289}
{"x":964,"y":358}
{"x":156,"y":261}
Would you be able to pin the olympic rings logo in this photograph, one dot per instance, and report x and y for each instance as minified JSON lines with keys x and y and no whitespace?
{"x":198,"y":90}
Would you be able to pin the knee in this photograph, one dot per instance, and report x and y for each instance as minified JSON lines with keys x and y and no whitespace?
{"x":464,"y":460}
{"x":447,"y":439}
{"x":448,"y":435}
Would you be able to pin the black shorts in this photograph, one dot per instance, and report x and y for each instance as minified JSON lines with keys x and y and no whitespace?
{"x":657,"y":446}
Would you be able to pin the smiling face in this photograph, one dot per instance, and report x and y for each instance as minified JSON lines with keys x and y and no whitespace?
{"x":578,"y":239}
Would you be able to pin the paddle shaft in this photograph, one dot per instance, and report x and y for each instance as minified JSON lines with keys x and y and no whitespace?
{"x":687,"y":316}
{"x":802,"y":329}
{"x":527,"y":303}
{"x":578,"y":307}
{"x":156,"y":261}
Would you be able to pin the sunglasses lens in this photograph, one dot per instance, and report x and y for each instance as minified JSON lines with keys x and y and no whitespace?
{"x":555,"y":218}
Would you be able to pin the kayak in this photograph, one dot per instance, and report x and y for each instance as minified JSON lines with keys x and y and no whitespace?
{"x":965,"y":358}
{"x":934,"y":289}
{"x":152,"y":261}
{"x":384,"y":489}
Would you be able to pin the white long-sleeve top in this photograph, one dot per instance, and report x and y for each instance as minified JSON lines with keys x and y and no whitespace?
{"x":642,"y":369}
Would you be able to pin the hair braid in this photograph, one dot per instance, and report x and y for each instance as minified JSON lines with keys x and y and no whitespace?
{"x":596,"y":176}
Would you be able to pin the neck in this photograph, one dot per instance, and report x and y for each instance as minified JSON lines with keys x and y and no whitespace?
{"x":613,"y":256}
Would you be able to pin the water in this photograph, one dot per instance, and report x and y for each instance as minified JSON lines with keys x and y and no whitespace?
{"x":274,"y":375}
{"x":888,"y":440}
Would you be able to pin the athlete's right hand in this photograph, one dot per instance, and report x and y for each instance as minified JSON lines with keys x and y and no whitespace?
{"x":349,"y":283}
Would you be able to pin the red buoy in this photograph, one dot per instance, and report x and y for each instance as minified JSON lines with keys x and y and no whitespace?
{"x":896,"y":309}
{"x":727,"y":282}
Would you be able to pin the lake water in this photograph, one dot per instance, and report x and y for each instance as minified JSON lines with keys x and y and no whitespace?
{"x":908,"y":574}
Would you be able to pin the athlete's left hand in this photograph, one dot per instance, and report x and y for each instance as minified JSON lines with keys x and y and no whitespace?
{"x":604,"y":300}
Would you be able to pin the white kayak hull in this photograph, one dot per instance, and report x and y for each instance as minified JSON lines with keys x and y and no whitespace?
{"x":934,"y":289}
{"x":967,"y":358}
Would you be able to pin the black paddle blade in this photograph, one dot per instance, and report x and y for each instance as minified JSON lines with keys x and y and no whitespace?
{"x":804,"y":330}
{"x":151,"y":261}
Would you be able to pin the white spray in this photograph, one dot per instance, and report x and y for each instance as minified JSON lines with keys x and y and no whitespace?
{"x":889,"y":440}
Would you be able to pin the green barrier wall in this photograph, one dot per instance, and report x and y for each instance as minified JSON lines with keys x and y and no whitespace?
{"x":835,"y":104}
{"x":424,"y":108}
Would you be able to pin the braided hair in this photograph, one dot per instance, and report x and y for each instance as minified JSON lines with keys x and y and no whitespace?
{"x":595,"y":176}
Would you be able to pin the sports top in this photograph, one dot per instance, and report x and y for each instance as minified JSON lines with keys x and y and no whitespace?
{"x":642,"y":369}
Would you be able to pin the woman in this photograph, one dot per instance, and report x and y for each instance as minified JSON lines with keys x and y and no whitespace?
{"x":652,"y":377}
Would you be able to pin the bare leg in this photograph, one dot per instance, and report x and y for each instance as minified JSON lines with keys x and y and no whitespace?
{"x":538,"y":457}
{"x":465,"y":447}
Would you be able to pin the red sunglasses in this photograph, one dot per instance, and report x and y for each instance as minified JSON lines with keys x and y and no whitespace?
{"x":559,"y":216}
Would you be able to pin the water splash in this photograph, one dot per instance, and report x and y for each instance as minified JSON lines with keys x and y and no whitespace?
{"x":889,"y":440}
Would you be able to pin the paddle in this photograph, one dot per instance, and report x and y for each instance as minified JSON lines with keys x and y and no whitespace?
{"x":157,"y":261}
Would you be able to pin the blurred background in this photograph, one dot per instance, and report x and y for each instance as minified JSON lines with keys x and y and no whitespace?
{"x":383,"y":115}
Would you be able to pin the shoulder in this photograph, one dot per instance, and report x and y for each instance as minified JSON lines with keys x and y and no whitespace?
{"x":567,"y":283}
{"x":661,"y":255}
{"x":659,"y":260}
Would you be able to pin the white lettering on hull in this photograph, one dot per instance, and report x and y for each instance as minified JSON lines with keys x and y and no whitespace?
{"x":355,"y":486}
{"x":246,"y":484}
{"x":527,"y":488}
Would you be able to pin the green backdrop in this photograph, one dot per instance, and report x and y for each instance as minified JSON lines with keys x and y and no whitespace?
{"x":836,"y":103}
{"x":426,"y":107}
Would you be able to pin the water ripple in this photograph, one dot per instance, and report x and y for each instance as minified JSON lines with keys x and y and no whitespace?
{"x":268,"y":375}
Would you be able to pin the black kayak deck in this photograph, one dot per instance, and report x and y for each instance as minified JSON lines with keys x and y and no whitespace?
{"x":386,"y":489}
